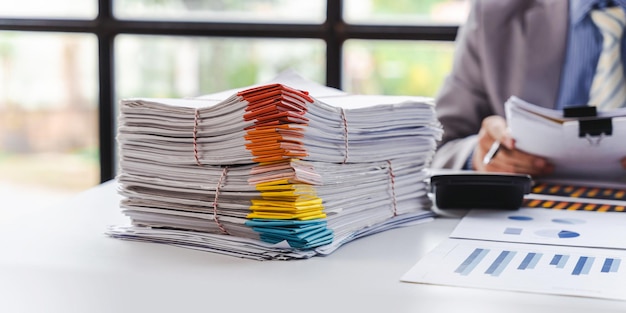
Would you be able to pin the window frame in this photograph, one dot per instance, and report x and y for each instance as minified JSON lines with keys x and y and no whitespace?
{"x":334,"y":31}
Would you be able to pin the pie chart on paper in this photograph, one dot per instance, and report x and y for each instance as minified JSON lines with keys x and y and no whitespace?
{"x":568,"y":221}
{"x":557,"y":233}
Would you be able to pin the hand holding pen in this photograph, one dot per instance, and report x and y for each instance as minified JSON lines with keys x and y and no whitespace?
{"x":496,"y":152}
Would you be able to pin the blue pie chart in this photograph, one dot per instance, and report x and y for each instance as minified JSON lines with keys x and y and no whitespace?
{"x":568,"y":234}
{"x":520,"y":218}
{"x":557,"y":233}
{"x":568,"y":221}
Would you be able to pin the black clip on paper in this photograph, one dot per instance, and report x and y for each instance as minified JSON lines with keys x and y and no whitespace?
{"x":596,"y":127}
{"x":474,"y":190}
{"x":580,"y":111}
{"x":588,"y":123}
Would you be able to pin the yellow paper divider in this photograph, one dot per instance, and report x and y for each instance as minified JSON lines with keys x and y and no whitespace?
{"x":287,"y":208}
{"x":287,"y":216}
{"x":295,"y":205}
{"x":273,"y":183}
{"x":298,"y":199}
{"x":282,"y":200}
{"x":274,"y":188}
{"x":313,"y":202}
{"x":292,"y":187}
{"x":286,"y":190}
{"x":285,"y":193}
{"x":276,"y":209}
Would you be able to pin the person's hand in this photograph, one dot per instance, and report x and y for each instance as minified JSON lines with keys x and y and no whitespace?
{"x":507,"y":159}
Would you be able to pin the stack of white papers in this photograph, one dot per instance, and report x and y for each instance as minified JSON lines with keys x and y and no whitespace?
{"x":273,"y":171}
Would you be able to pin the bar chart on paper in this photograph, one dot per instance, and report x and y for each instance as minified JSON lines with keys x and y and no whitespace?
{"x":582,"y":264}
{"x":563,"y":270}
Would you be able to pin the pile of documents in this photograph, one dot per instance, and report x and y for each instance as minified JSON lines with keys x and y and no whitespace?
{"x":283,"y":170}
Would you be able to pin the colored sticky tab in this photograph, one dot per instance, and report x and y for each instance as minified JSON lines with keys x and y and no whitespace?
{"x":290,"y":210}
{"x":277,"y":215}
{"x":301,"y":230}
{"x":273,"y":141}
{"x":273,"y":183}
{"x":317,"y":239}
{"x":302,"y":204}
{"x":299,"y":234}
{"x":289,"y":223}
{"x":273,"y":109}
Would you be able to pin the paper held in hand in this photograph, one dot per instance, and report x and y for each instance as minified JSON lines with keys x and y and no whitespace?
{"x":581,"y":147}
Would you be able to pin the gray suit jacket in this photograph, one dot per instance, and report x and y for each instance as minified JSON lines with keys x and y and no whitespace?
{"x":506,"y":48}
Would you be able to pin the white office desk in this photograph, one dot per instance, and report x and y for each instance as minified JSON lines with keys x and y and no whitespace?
{"x":58,"y":260}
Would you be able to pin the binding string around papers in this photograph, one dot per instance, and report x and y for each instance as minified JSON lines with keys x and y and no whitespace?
{"x":345,"y":134}
{"x":222,"y":176}
{"x":195,"y":136}
{"x":392,"y":178}
{"x":215,"y":201}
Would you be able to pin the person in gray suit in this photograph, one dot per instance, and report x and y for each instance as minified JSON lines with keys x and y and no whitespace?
{"x":525,"y":48}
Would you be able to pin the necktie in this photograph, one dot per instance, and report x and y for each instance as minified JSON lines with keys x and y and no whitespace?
{"x":608,"y":88}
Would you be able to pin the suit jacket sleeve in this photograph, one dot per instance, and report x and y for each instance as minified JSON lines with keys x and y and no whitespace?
{"x":462,"y":101}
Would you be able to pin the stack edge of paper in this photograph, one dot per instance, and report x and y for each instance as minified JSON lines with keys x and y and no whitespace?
{"x":273,"y":171}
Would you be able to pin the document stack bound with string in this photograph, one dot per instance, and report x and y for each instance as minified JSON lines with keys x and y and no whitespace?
{"x":284,"y":170}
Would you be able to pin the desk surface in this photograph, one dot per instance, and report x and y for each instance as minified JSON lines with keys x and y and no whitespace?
{"x":57,"y":259}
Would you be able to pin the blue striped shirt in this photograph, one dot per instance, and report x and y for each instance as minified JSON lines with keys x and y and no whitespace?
{"x":584,"y":44}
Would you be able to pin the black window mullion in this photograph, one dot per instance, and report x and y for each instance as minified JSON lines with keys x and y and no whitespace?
{"x":404,"y":32}
{"x":106,"y":83}
{"x":334,"y":42}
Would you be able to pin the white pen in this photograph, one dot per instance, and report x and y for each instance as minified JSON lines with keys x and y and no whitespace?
{"x":495,"y":147}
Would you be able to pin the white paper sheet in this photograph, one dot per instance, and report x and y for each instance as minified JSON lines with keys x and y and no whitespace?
{"x":574,"y":253}
{"x":598,"y":273}
{"x":547,"y":133}
{"x":542,"y":226}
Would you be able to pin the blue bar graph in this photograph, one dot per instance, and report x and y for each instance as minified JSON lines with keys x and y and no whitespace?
{"x":559,"y":260}
{"x":583,"y":265}
{"x":501,"y":262}
{"x":555,"y":259}
{"x":615,"y":265}
{"x":471,"y":261}
{"x":530,"y":261}
{"x":610,"y":265}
